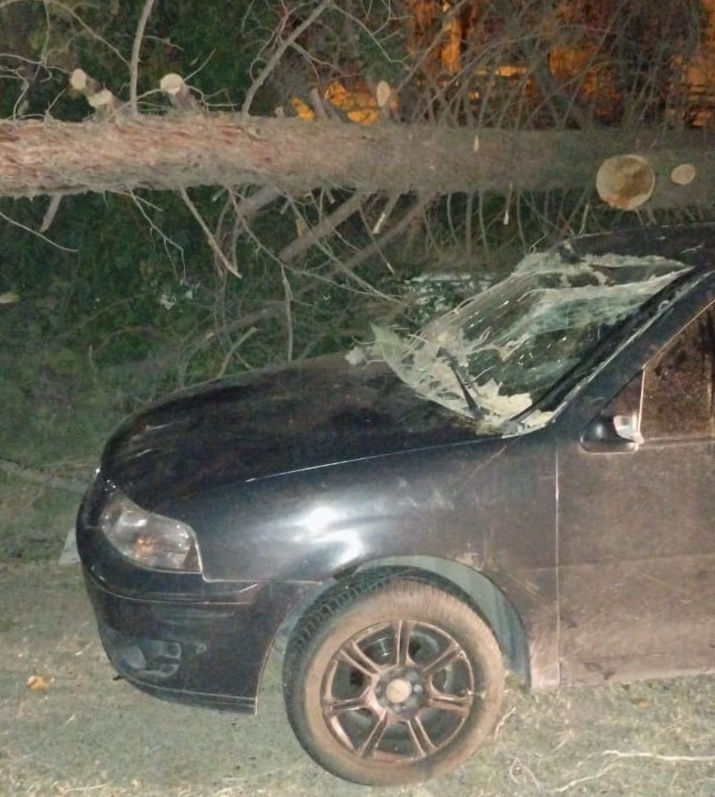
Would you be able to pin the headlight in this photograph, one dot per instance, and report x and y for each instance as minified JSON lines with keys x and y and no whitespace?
{"x":148,"y":539}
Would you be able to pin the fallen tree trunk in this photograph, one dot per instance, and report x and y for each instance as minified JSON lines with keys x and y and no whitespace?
{"x":177,"y":151}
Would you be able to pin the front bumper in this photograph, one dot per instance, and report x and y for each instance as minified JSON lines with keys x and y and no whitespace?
{"x":208,"y":652}
{"x":175,"y":635}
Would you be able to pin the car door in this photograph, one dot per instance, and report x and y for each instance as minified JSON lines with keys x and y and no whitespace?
{"x":636,"y":521}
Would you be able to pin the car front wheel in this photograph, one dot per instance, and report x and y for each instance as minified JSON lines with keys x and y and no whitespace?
{"x":392,"y":682}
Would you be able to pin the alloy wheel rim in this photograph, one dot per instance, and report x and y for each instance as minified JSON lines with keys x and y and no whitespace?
{"x":399,"y":691}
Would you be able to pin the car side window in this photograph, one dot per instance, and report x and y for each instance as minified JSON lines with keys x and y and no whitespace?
{"x":679,"y":384}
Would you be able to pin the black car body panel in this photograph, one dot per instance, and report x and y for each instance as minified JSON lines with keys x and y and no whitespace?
{"x":599,"y":551}
{"x":258,"y":425}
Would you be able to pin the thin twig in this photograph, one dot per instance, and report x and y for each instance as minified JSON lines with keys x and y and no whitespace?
{"x":22,"y":226}
{"x":288,"y":298}
{"x":89,"y":30}
{"x":232,"y":351}
{"x":578,"y":781}
{"x":210,"y":237}
{"x":671,"y":759}
{"x":169,"y":243}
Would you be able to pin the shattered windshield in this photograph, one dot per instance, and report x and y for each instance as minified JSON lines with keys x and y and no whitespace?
{"x":496,"y":355}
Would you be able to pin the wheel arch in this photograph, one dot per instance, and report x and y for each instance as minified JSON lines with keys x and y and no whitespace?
{"x":472,"y":586}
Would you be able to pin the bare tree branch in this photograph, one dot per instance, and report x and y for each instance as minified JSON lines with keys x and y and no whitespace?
{"x":278,"y":54}
{"x":377,"y":246}
{"x":136,"y":50}
{"x":250,"y":205}
{"x":298,"y":247}
{"x":51,"y":212}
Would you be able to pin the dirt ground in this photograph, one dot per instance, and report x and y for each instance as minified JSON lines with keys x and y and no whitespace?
{"x":68,"y":726}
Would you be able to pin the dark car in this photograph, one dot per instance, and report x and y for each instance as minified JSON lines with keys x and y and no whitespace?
{"x":525,"y":485}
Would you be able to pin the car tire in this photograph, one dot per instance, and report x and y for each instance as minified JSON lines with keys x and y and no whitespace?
{"x":392,"y":681}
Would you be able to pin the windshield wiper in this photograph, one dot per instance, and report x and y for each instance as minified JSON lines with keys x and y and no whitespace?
{"x":451,"y":361}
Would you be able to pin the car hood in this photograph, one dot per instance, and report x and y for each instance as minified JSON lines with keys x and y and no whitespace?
{"x":273,"y":421}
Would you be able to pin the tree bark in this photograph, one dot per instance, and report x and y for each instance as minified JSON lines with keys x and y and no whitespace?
{"x":176,"y":151}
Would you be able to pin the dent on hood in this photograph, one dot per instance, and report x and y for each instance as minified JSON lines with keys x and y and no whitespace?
{"x":504,"y":348}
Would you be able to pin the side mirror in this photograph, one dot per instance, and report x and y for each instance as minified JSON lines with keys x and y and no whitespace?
{"x":612,"y":433}
{"x":617,"y":428}
{"x":628,"y":427}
